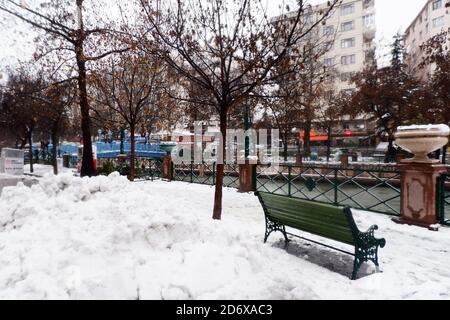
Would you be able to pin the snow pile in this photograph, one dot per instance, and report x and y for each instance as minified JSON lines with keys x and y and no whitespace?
{"x":107,"y":238}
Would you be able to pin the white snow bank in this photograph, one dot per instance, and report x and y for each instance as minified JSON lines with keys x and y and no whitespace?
{"x":107,"y":238}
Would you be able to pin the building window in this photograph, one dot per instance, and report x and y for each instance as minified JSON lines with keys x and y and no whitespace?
{"x":328,"y":30}
{"x":368,"y":20}
{"x":437,"y":4}
{"x":350,"y":59}
{"x":329,"y":62}
{"x":348,"y":8}
{"x":438,"y":22}
{"x":348,"y":43}
{"x":348,"y":26}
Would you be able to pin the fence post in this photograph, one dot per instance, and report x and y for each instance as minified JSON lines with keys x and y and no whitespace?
{"x":214,"y":173}
{"x":289,"y":179}
{"x":246,"y":180}
{"x":440,"y":199}
{"x":419,"y":191}
{"x":255,"y":177}
{"x":336,"y":200}
{"x":192,"y":172}
{"x":167,"y":168}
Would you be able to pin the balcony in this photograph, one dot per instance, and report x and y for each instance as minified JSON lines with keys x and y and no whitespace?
{"x":367,"y":4}
{"x":369,"y":33}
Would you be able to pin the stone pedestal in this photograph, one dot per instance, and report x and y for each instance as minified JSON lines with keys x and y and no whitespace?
{"x":246,"y":183}
{"x":344,"y":161}
{"x":167,"y":168}
{"x":418,"y":194}
{"x":399,"y":158}
{"x":201,"y":170}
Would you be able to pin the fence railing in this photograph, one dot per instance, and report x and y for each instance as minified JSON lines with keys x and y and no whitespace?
{"x":145,"y":168}
{"x":206,"y":174}
{"x":359,"y":188}
{"x":444,"y":199}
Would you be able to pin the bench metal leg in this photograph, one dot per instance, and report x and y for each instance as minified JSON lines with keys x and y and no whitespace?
{"x":273,"y":227}
{"x":356,"y":265}
{"x":365,"y":255}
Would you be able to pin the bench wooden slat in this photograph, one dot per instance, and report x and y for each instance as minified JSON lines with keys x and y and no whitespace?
{"x":326,"y":231}
{"x":337,"y":220}
{"x":307,"y":207}
{"x":324,"y":220}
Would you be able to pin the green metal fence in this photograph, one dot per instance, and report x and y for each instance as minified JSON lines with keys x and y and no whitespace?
{"x":444,"y":199}
{"x":365,"y":189}
{"x":149,"y":169}
{"x":206,"y":174}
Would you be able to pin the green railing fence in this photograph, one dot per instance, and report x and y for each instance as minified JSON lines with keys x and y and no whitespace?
{"x":360,"y":188}
{"x":444,"y":199}
{"x":206,"y":174}
{"x":149,"y":169}
{"x":145,"y":168}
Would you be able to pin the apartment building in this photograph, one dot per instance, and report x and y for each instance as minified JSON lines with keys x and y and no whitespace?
{"x":348,"y":33}
{"x":432,"y":20}
{"x":354,"y":29}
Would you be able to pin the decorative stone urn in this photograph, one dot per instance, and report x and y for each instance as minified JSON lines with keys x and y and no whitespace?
{"x":419,"y":174}
{"x":422,"y":140}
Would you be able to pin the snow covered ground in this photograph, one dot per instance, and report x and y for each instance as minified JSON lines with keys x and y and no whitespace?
{"x":107,"y":238}
{"x":43,"y":169}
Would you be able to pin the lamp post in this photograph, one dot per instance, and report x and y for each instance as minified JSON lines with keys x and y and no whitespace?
{"x":246,"y":127}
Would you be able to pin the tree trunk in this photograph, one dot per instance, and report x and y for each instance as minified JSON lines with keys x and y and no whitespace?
{"x":132,"y":154}
{"x":217,"y":213}
{"x":30,"y":149}
{"x":307,"y":140}
{"x":23,"y":143}
{"x":54,"y":151}
{"x":87,"y":164}
{"x":285,"y":147}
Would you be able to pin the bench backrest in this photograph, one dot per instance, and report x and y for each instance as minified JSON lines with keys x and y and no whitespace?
{"x":325,"y":220}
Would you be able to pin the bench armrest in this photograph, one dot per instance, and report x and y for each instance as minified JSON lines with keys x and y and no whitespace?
{"x":368,"y":238}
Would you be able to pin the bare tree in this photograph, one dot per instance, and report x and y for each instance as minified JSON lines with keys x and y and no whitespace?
{"x":132,"y":87}
{"x":63,"y":24}
{"x":226,"y":47}
{"x":299,"y":92}
{"x":57,"y":101}
{"x":21,"y":107}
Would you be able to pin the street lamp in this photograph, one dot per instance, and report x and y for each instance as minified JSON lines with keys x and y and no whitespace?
{"x":246,"y":128}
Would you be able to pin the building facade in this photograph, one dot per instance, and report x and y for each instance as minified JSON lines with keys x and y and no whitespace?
{"x":353,"y":47}
{"x":348,"y":34}
{"x":431,"y":20}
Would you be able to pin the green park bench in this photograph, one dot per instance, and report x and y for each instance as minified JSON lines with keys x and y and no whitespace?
{"x":335,"y":223}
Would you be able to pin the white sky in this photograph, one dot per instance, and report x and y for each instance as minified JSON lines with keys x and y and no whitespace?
{"x":392,"y":16}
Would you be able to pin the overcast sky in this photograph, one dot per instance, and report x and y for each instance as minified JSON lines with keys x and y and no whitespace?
{"x":392,"y":16}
